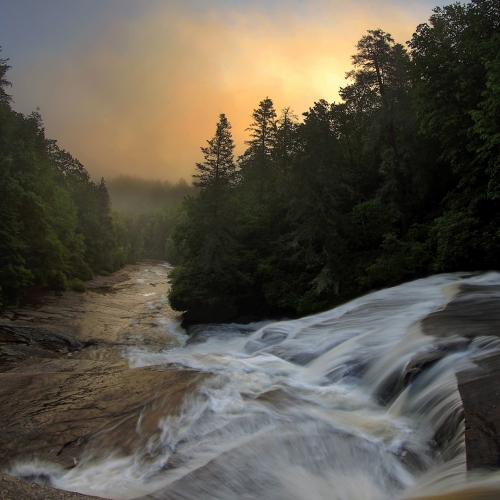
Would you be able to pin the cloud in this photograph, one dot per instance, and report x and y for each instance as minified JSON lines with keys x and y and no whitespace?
{"x":144,"y":95}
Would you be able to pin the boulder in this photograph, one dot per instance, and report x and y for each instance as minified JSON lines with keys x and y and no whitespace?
{"x":480,"y":392}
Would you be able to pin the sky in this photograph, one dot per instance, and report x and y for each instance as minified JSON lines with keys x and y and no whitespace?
{"x":135,"y":87}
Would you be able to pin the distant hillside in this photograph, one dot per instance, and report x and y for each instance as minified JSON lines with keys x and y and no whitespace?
{"x":134,"y":195}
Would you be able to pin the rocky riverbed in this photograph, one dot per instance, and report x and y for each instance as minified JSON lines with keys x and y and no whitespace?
{"x":63,"y":381}
{"x":68,"y":391}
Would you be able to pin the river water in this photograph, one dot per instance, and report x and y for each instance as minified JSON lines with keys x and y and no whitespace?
{"x":359,"y":402}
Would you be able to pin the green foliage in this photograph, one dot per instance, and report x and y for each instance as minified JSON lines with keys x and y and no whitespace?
{"x":77,"y":285}
{"x":487,"y":125}
{"x":258,"y":163}
{"x":56,"y":222}
{"x":57,"y":280}
{"x":397,"y":181}
{"x":144,"y":215}
{"x":217,"y":172}
{"x":399,"y":260}
{"x":373,"y":220}
{"x":5,"y":98}
{"x":456,"y":74}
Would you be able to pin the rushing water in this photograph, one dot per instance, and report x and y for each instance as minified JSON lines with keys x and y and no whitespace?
{"x":359,"y":402}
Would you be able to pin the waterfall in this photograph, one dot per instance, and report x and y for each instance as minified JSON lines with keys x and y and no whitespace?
{"x":359,"y":402}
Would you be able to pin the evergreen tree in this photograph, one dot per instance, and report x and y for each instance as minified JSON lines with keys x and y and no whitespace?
{"x":56,"y":223}
{"x":257,"y":161}
{"x":455,"y":76}
{"x":355,"y":197}
{"x":382,"y":68}
{"x":4,"y":83}
{"x":286,"y":144}
{"x":204,"y":236}
{"x":217,"y":173}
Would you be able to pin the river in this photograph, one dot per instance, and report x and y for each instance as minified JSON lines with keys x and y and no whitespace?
{"x":359,"y":402}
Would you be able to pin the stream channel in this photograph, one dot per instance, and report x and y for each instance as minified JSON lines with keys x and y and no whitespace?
{"x":359,"y":402}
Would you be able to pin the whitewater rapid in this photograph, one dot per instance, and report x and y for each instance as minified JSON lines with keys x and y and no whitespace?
{"x":359,"y":402}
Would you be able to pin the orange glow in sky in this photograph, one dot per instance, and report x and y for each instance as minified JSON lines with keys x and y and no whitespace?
{"x":142,"y":96}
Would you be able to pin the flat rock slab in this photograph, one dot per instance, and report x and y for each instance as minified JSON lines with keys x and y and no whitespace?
{"x":56,"y":415}
{"x":468,"y":494}
{"x":473,"y":312}
{"x":13,"y":488}
{"x":65,"y":388}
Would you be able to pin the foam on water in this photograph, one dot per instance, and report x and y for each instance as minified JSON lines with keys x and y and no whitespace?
{"x":352,"y":403}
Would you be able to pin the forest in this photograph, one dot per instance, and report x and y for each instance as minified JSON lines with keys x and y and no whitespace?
{"x":398,"y":180}
{"x":56,"y":224}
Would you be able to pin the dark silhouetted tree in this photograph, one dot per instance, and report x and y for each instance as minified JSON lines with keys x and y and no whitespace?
{"x":217,"y":173}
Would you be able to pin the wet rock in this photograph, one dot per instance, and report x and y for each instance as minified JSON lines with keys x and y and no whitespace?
{"x":480,"y":392}
{"x":474,"y":493}
{"x":473,"y":312}
{"x":113,"y":280}
{"x":46,"y":338}
{"x":55,"y":414}
{"x":19,"y":343}
{"x":14,"y":488}
{"x":278,"y":399}
{"x":400,"y":378}
{"x":65,"y":389}
{"x":270,"y":336}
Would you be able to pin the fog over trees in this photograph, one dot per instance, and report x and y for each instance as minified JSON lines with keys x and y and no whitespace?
{"x":397,"y":180}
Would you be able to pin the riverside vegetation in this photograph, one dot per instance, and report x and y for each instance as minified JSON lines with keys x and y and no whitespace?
{"x":397,"y":181}
{"x":56,"y":224}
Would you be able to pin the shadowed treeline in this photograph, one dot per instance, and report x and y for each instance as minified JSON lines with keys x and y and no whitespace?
{"x":398,"y":180}
{"x":56,"y":224}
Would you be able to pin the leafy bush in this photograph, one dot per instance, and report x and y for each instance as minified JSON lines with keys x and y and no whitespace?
{"x":78,"y":285}
{"x":57,"y":280}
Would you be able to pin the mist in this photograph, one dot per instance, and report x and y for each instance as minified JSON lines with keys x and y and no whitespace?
{"x":136,"y":91}
{"x":136,"y":195}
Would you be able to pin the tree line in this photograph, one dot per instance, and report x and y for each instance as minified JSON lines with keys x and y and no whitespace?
{"x":56,"y":226}
{"x":398,"y":180}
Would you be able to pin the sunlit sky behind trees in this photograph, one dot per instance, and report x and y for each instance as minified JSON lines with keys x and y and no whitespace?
{"x":135,"y":87}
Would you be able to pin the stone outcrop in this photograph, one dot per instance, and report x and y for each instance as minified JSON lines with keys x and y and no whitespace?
{"x":480,"y":392}
{"x":13,"y":488}
{"x":65,"y":388}
{"x":475,"y":312}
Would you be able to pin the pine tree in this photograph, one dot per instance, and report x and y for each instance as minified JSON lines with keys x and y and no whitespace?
{"x":257,"y":161}
{"x":381,"y":88}
{"x":4,"y":67}
{"x":286,"y":145}
{"x":218,"y":172}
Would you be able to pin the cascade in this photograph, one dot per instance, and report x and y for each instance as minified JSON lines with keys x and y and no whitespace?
{"x":359,"y":402}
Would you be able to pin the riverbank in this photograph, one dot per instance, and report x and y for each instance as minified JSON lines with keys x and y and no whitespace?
{"x":68,"y":392}
{"x":64,"y":382}
{"x":13,"y":488}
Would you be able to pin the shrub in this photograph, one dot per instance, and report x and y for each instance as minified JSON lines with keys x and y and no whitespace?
{"x":57,"y":280}
{"x":78,"y":285}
